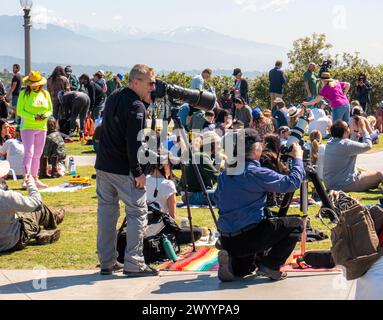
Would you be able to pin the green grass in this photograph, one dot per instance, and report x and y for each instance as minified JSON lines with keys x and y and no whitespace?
{"x":78,"y":149}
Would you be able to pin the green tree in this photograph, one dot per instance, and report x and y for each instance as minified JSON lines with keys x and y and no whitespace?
{"x":309,"y":49}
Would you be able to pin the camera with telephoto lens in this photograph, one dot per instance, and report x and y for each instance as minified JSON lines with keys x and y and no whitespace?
{"x":325,"y":66}
{"x":202,"y":100}
{"x":297,"y":133}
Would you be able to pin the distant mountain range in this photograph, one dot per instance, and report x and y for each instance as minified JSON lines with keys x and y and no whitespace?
{"x":185,"y":48}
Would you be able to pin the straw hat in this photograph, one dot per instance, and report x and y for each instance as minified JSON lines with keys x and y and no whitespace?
{"x":294,"y":111}
{"x":35,"y":79}
{"x":4,"y":168}
{"x":326,"y":76}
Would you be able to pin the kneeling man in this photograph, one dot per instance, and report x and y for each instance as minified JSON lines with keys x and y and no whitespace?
{"x":250,"y":240}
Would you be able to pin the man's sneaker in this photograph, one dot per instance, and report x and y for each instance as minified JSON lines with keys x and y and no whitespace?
{"x":147,"y":272}
{"x":45,"y":237}
{"x":108,"y":272}
{"x":274,"y":275}
{"x":225,"y":273}
{"x":59,"y":216}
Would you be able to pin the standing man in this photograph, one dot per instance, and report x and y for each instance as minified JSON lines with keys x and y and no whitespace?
{"x":15,"y":88}
{"x":277,"y":80}
{"x":198,"y":82}
{"x":363,"y":92}
{"x":311,"y":82}
{"x":241,"y":86}
{"x":120,"y":175}
{"x":73,"y":81}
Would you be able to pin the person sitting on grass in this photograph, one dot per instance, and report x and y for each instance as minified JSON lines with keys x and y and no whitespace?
{"x":54,"y":151}
{"x":161,"y":188}
{"x":204,"y":151}
{"x":26,"y":218}
{"x":340,"y":172}
{"x":13,"y":151}
{"x":358,"y":114}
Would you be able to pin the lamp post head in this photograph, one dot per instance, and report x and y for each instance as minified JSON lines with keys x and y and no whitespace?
{"x":26,"y":4}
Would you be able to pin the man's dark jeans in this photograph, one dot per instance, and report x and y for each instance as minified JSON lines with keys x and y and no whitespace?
{"x":278,"y":236}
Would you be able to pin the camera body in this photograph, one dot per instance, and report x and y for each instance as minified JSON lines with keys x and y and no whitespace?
{"x":297,"y":133}
{"x":325,"y":66}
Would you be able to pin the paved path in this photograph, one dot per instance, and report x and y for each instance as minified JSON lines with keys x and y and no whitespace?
{"x":78,"y":285}
{"x":371,"y":162}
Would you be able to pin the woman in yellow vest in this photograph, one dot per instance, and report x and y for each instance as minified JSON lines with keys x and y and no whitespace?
{"x":34,"y":107}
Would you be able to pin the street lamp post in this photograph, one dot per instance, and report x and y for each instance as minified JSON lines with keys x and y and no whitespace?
{"x":26,"y":5}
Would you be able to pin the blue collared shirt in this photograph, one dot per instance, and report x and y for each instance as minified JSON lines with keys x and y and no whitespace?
{"x":241,"y":199}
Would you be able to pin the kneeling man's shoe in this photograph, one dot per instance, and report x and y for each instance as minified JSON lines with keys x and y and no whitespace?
{"x":274,"y":275}
{"x":147,"y":272}
{"x":45,"y":237}
{"x":109,"y":271}
{"x":225,"y":273}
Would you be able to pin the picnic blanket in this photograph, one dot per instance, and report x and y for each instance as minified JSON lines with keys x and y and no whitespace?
{"x":66,"y":187}
{"x":206,"y":259}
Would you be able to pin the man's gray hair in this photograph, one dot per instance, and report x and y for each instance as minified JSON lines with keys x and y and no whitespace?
{"x":139,"y":71}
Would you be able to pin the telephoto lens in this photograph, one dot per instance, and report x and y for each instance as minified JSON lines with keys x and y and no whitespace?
{"x":202,"y":100}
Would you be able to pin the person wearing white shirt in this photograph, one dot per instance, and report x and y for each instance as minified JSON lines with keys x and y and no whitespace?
{"x":161,"y":189}
{"x":13,"y":150}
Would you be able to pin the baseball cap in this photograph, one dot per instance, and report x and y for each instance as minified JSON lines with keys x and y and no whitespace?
{"x":256,"y":113}
{"x":120,"y":76}
{"x":236,"y":72}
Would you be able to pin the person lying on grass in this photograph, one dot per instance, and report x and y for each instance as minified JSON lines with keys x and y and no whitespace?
{"x":26,"y":218}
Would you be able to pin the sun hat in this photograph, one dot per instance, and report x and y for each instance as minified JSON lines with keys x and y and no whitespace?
{"x":35,"y":79}
{"x":326,"y":76}
{"x":4,"y":168}
{"x":293,"y":112}
{"x":278,"y":100}
{"x":100,"y":73}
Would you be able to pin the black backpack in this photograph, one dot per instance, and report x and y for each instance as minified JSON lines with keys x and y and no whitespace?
{"x":159,"y":224}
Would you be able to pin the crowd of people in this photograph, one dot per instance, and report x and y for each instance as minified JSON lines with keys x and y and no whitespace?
{"x":247,"y":230}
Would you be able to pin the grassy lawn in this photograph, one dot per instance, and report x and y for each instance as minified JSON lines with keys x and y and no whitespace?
{"x":77,"y":246}
{"x":78,"y":149}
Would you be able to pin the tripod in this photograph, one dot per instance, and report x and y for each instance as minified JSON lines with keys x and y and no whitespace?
{"x":327,"y":205}
{"x":174,"y":110}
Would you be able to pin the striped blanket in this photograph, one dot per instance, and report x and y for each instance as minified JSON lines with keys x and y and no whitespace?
{"x":206,"y":259}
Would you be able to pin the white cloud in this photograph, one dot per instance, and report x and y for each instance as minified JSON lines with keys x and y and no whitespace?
{"x":42,"y":16}
{"x":261,"y":5}
{"x":117,"y":18}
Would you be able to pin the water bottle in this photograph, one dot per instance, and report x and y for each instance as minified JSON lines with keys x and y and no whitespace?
{"x":169,"y":250}
{"x":72,"y":167}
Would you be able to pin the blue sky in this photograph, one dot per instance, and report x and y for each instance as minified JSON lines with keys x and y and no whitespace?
{"x":350,"y":25}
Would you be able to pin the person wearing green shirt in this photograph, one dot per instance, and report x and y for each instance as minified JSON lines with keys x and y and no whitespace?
{"x":311,"y":82}
{"x":34,"y":108}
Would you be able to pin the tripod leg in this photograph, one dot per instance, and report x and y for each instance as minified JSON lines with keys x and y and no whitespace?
{"x":284,"y":208}
{"x":304,"y":210}
{"x":178,"y":125}
{"x":188,"y":205}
